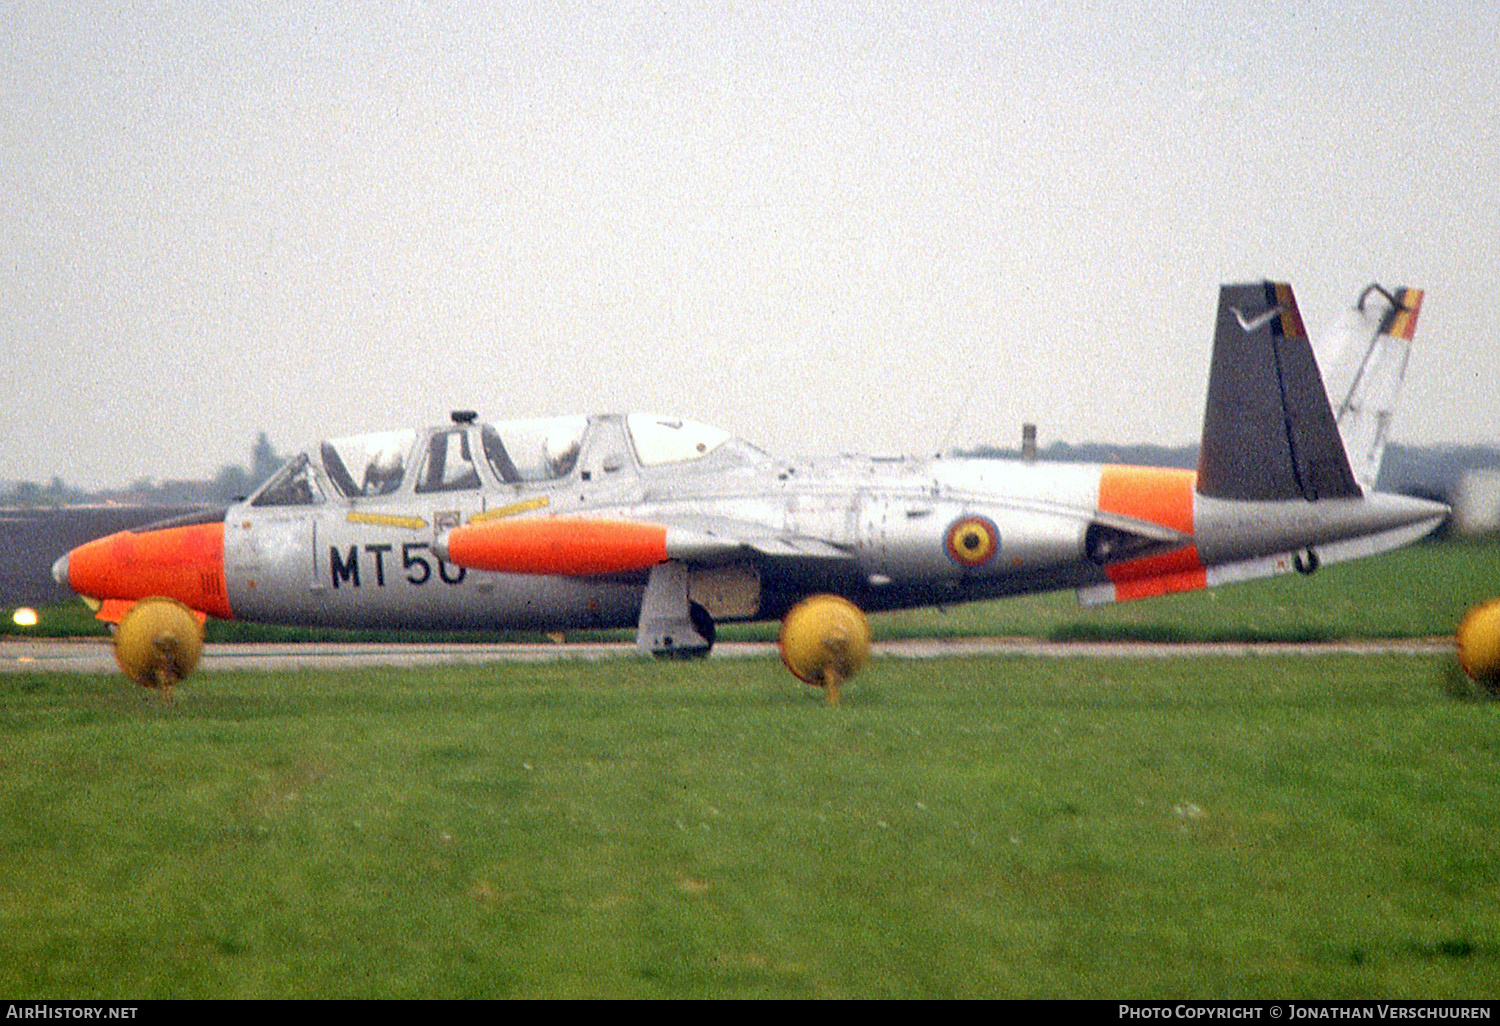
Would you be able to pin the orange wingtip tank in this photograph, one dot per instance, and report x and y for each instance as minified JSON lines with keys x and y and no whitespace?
{"x":570,"y":546}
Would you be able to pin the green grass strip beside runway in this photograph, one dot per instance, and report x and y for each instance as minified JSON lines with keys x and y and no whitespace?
{"x":1318,"y":827}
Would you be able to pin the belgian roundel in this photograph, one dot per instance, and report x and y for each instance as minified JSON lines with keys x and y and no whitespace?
{"x":972,"y":541}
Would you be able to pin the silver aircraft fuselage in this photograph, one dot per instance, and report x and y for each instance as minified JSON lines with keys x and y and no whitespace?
{"x":885,"y":533}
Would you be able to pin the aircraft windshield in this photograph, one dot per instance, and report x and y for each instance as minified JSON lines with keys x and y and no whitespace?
{"x":534,"y":450}
{"x":366,"y":465}
{"x":669,"y":440}
{"x":293,"y":485}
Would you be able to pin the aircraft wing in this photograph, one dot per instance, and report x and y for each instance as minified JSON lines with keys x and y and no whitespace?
{"x":750,"y":538}
{"x":592,"y":546}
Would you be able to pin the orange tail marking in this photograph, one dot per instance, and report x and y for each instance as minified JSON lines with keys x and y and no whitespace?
{"x":1163,"y":496}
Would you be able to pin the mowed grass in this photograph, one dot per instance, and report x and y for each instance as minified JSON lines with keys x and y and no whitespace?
{"x":1291,"y":826}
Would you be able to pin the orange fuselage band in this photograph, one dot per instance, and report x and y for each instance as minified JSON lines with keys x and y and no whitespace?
{"x":1163,"y":496}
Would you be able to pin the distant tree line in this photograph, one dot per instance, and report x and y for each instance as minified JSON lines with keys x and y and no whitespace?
{"x":1433,"y":471}
{"x":232,"y":482}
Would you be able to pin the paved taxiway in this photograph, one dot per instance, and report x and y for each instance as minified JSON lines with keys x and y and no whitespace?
{"x":95,"y":655}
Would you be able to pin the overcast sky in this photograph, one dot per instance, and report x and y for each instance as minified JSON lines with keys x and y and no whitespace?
{"x":825,"y":227}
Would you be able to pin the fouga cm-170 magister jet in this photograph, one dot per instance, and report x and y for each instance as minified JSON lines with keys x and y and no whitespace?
{"x":671,"y":526}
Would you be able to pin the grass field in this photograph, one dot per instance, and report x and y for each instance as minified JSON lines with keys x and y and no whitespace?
{"x":1314,"y":827}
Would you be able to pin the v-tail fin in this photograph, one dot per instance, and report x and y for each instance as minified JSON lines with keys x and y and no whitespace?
{"x":1380,"y":330}
{"x":1268,"y":431}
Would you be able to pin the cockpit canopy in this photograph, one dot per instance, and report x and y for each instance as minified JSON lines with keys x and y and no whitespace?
{"x":368,"y":464}
{"x":470,"y":456}
{"x":659,"y":440}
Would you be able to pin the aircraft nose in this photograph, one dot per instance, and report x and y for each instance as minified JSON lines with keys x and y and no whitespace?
{"x":60,"y":571}
{"x":185,"y":562}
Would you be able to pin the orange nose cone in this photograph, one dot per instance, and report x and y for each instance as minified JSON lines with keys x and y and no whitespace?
{"x":571,"y":546}
{"x":184,"y":563}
